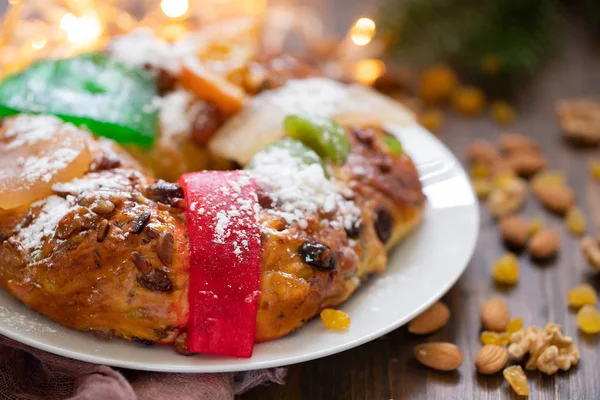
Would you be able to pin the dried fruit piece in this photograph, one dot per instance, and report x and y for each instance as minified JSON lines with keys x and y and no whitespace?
{"x":515,"y":231}
{"x":535,"y":225}
{"x":437,"y":84}
{"x":544,"y":244}
{"x":480,"y":170}
{"x":582,"y":295}
{"x":468,"y":101}
{"x":482,"y":188}
{"x":517,"y":379}
{"x":580,"y":120}
{"x":588,"y":319}
{"x":439,"y":355}
{"x":490,"y":359}
{"x":591,"y":251}
{"x":335,"y":319}
{"x":505,"y":270}
{"x":499,"y":338}
{"x":495,"y":315}
{"x":432,"y":120}
{"x":515,"y":325}
{"x":432,"y":319}
{"x":502,"y":112}
{"x":575,"y":221}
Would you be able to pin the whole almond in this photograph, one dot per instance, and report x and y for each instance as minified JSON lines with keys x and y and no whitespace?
{"x":495,"y":315}
{"x":482,"y":151}
{"x":515,"y":231}
{"x":556,"y":198}
{"x":527,"y":163}
{"x":544,"y":244}
{"x":430,"y":320}
{"x":512,"y":142}
{"x":439,"y":355}
{"x":491,"y":359}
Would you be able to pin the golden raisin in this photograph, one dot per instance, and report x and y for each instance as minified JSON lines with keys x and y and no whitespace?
{"x":588,"y":319}
{"x":499,"y":338}
{"x":517,"y":379}
{"x":595,"y":169}
{"x":582,"y":295}
{"x":479,"y":170}
{"x":535,"y":225}
{"x":502,"y":112}
{"x":482,"y":187}
{"x":468,"y":101}
{"x":432,"y":120}
{"x":515,"y":325}
{"x":575,"y":221}
{"x":504,"y":180}
{"x":437,"y":84}
{"x":335,"y":319}
{"x":547,"y":178}
{"x":506,"y":269}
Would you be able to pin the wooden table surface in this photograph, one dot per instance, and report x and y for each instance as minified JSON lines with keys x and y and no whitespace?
{"x":386,"y":369}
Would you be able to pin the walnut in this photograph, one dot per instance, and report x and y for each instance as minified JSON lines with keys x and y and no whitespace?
{"x":549,"y":350}
{"x":591,"y":251}
{"x":507,"y":197}
{"x":580,"y":120}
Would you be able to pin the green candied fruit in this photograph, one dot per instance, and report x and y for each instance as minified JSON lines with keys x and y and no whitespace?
{"x":109,"y":98}
{"x":296,"y":150}
{"x":393,"y":144}
{"x":326,"y":137}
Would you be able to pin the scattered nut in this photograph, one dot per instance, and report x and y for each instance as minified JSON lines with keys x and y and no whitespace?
{"x":527,"y":163}
{"x":439,"y":355}
{"x":495,"y":315}
{"x":508,"y":197}
{"x":580,"y":120}
{"x":491,"y":359}
{"x":555,"y":198}
{"x":544,"y":244}
{"x":515,"y":231}
{"x":432,"y":319}
{"x":482,"y":151}
{"x":591,"y":251}
{"x":515,"y":142}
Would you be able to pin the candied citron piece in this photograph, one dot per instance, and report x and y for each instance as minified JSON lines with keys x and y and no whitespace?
{"x":499,"y":338}
{"x":517,"y":379}
{"x":588,"y":319}
{"x":515,"y":325}
{"x":502,"y":112}
{"x":506,"y":269}
{"x":335,"y":319}
{"x":582,"y":295}
{"x":37,"y":152}
{"x":535,"y":225}
{"x":575,"y":221}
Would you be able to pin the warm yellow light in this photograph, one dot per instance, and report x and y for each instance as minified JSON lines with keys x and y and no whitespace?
{"x":38,"y":44}
{"x":174,"y":8}
{"x":362,"y":31}
{"x":13,"y":2}
{"x":80,"y":30}
{"x":367,"y":71}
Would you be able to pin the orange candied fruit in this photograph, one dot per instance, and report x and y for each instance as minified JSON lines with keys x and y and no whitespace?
{"x":468,"y":101}
{"x":502,"y":112}
{"x":582,"y":295}
{"x":515,"y":325}
{"x":432,"y":120}
{"x":575,"y":221}
{"x":506,"y":269}
{"x":335,"y":319}
{"x":588,"y":319}
{"x":498,"y":338}
{"x":595,"y":169}
{"x":437,"y":84}
{"x":517,"y":379}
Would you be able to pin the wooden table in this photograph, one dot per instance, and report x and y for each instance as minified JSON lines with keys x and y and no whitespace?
{"x":386,"y":369}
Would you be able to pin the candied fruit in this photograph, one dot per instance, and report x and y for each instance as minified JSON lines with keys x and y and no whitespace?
{"x":468,"y":101}
{"x":506,"y":269}
{"x":335,"y":319}
{"x":515,"y":325}
{"x":517,"y":379}
{"x":588,"y":319}
{"x":432,"y":120}
{"x":499,"y":338}
{"x":535,"y":225}
{"x":502,"y":112}
{"x":482,"y":187}
{"x":479,"y":170}
{"x":437,"y":84}
{"x":582,"y":295}
{"x":575,"y":221}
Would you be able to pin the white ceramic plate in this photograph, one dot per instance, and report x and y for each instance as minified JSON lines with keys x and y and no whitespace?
{"x":420,"y":271}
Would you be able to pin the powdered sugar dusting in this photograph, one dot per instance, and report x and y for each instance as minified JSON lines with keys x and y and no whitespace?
{"x":27,"y":130}
{"x":94,"y":182}
{"x":37,"y":169}
{"x":177,"y":111}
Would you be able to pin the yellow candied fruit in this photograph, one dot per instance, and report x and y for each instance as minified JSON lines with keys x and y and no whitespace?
{"x":482,"y":187}
{"x":502,"y":112}
{"x":335,"y":319}
{"x":432,"y":120}
{"x":575,"y":221}
{"x":499,"y":338}
{"x":491,"y":64}
{"x":479,"y":170}
{"x":535,"y":225}
{"x":468,"y":101}
{"x":437,"y":84}
{"x":595,"y":169}
{"x":515,"y":325}
{"x":517,"y":379}
{"x":588,"y":319}
{"x":548,"y":178}
{"x":582,"y":295}
{"x":505,"y":270}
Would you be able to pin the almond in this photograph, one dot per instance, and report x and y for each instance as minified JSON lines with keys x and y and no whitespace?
{"x":491,"y":359}
{"x":556,"y":198}
{"x":439,"y":355}
{"x":512,"y":142}
{"x":527,"y":163}
{"x":482,"y":151}
{"x":495,"y":315}
{"x":432,"y":319}
{"x":544,"y":244}
{"x":515,"y":231}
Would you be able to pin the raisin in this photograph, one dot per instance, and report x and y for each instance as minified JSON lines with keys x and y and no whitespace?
{"x":588,"y":319}
{"x":365,"y":136}
{"x":318,"y":255}
{"x":156,"y":280}
{"x":582,"y":295}
{"x":335,"y":319}
{"x":164,"y":248}
{"x":506,"y":270}
{"x":384,"y":223}
{"x":145,"y":342}
{"x":140,"y":222}
{"x":165,"y":81}
{"x":517,"y":379}
{"x":354,"y":230}
{"x":180,"y":345}
{"x":499,"y":338}
{"x":105,"y":161}
{"x":164,"y":192}
{"x":575,"y":221}
{"x":515,"y":325}
{"x":206,"y":122}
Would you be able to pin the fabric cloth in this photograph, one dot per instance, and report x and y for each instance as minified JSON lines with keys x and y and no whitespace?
{"x":31,"y":374}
